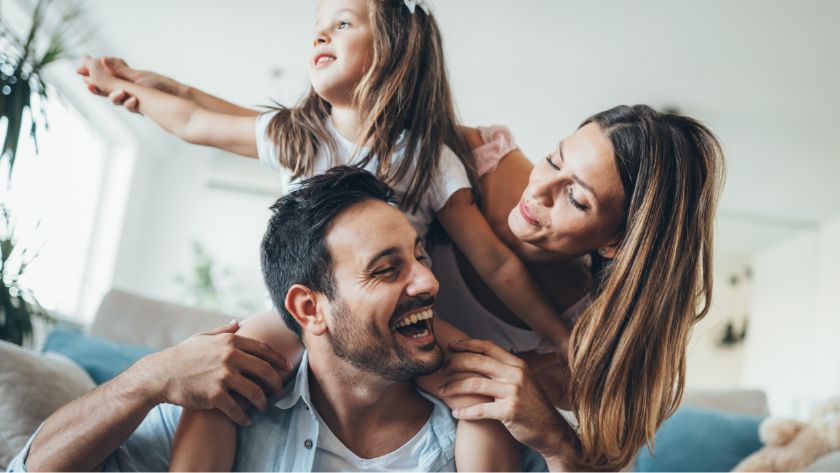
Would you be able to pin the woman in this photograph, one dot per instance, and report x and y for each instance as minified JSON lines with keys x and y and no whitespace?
{"x":616,"y":224}
{"x":636,"y":190}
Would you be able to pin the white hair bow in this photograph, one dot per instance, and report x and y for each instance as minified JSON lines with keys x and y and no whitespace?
{"x":423,"y":4}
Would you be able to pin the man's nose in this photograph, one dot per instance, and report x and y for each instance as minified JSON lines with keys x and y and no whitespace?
{"x":422,"y":282}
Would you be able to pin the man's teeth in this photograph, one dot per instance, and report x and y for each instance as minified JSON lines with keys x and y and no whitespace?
{"x":414,"y":318}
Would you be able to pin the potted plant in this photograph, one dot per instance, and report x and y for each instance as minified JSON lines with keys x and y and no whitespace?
{"x":22,"y":62}
{"x":17,"y":305}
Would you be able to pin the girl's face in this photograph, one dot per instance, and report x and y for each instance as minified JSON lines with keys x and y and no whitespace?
{"x":574,"y":200}
{"x":342,"y":49}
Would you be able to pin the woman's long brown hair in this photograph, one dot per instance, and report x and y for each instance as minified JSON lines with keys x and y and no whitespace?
{"x":628,"y":352}
{"x":406,"y":89}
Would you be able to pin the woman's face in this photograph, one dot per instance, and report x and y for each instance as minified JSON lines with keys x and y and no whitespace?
{"x":574,"y":200}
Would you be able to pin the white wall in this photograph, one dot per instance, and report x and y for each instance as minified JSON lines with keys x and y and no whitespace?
{"x":792,"y":350}
{"x":171,"y":206}
{"x":710,"y":365}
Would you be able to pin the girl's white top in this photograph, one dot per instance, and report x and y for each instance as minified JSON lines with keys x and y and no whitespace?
{"x":451,"y":174}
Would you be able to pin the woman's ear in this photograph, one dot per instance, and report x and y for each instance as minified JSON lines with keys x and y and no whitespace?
{"x":610,"y":250}
{"x":302,"y":303}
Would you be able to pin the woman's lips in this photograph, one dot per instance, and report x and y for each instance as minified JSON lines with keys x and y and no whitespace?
{"x":526,"y":214}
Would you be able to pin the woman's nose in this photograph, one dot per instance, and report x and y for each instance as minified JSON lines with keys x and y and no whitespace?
{"x":543,"y":191}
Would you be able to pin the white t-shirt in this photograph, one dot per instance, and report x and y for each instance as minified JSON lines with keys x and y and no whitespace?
{"x":333,"y":455}
{"x":451,"y":173}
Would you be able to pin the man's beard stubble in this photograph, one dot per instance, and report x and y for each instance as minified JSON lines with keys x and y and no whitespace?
{"x":368,"y":349}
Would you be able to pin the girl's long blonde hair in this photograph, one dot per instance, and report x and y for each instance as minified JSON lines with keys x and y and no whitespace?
{"x":406,"y":89}
{"x":628,"y":352}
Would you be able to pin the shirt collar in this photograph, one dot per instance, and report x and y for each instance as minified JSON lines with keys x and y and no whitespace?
{"x":298,"y":389}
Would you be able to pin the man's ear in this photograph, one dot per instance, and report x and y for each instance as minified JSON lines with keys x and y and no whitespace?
{"x":302,"y":303}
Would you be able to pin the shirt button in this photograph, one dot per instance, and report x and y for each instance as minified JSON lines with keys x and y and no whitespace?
{"x":307,"y":443}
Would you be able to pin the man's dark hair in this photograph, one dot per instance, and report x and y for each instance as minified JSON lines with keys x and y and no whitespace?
{"x":293,"y":249}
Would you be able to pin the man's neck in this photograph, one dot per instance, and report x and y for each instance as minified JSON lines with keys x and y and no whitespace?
{"x":371,"y":416}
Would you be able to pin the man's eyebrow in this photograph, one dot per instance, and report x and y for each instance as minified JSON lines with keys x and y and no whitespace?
{"x":390,"y":251}
{"x":575,"y":176}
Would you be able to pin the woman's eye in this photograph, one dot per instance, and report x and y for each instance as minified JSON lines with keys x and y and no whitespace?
{"x":574,"y":202}
{"x":551,"y":163}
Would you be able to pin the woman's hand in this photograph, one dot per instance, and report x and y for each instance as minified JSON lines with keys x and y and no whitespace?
{"x":519,"y":403}
{"x":119,"y":68}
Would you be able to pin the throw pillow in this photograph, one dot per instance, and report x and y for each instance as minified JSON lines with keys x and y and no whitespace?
{"x":33,"y":386}
{"x":102,"y":359}
{"x":696,"y":439}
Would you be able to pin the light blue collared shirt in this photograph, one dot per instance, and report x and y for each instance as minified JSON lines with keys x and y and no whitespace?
{"x":284,"y":438}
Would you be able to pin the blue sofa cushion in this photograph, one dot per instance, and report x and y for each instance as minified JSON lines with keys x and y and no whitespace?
{"x":696,"y":439}
{"x":102,"y":359}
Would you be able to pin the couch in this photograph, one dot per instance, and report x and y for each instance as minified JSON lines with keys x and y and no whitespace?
{"x":34,"y":384}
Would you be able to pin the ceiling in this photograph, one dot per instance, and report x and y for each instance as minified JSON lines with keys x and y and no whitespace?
{"x":763,"y":74}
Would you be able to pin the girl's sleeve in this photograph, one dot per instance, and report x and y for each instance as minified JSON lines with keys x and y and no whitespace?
{"x":266,"y":149}
{"x":451,"y":177}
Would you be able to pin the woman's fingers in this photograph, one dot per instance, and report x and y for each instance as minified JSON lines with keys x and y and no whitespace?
{"x":486,"y":347}
{"x":475,"y":385}
{"x":483,"y":365}
{"x":487,"y":410}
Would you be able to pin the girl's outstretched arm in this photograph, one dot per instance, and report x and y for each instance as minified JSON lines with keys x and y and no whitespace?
{"x":120,"y":69}
{"x":479,"y":445}
{"x":183,"y":118}
{"x":500,"y":268}
{"x":206,"y":440}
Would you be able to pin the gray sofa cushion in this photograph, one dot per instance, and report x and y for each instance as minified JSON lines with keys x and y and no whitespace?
{"x":130,"y":318}
{"x":33,"y":386}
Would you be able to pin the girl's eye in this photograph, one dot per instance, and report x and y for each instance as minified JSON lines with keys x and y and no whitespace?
{"x":343,"y":24}
{"x":574,"y":202}
{"x":551,"y":163}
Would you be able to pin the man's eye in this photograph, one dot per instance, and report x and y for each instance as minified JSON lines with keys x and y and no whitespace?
{"x":425,"y":260}
{"x":385,"y":272}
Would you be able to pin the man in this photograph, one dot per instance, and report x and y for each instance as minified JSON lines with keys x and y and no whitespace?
{"x":345,"y":268}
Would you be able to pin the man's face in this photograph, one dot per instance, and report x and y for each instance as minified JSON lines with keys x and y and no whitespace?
{"x":382,"y":283}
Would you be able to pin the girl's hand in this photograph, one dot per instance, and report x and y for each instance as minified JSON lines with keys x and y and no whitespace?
{"x":99,"y":80}
{"x":120,"y":69}
{"x":519,"y":403}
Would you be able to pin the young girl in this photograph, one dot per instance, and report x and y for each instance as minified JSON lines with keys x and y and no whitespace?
{"x":380,"y":99}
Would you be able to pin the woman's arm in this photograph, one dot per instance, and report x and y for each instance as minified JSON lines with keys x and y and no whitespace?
{"x":480,"y":445}
{"x":206,"y":439}
{"x":181,"y":117}
{"x":500,"y":268}
{"x":518,"y":402}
